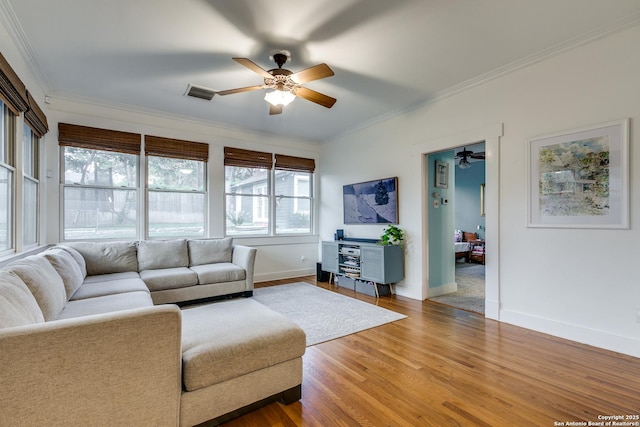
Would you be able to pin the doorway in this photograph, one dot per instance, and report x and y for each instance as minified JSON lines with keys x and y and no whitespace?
{"x":434,"y":240}
{"x":467,"y":199}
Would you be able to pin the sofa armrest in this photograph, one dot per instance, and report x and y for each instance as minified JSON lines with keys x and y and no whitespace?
{"x":121,"y":368}
{"x":245,"y":257}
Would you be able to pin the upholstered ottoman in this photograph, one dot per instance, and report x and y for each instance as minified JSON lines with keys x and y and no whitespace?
{"x":235,"y":353}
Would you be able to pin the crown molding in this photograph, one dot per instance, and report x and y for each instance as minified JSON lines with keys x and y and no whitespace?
{"x":15,"y":30}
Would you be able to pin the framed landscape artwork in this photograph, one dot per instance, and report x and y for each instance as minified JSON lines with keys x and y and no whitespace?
{"x":580,"y":178}
{"x":371,"y":202}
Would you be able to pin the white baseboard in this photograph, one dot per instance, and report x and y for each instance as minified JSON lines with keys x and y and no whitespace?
{"x":442,"y":290}
{"x":600,"y":339}
{"x":265,"y":277}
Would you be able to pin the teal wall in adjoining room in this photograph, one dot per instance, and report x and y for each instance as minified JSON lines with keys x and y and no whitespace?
{"x":467,"y":198}
{"x":441,"y":224}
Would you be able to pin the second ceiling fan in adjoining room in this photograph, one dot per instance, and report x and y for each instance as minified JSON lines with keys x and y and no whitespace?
{"x":286,"y":84}
{"x":465,"y":155}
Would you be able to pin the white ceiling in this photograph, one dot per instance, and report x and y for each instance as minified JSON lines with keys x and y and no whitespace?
{"x":388,"y":56}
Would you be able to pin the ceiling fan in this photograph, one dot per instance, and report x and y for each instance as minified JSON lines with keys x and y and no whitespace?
{"x":286,"y":84}
{"x":465,"y":155}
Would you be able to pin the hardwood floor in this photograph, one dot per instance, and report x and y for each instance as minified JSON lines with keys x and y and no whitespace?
{"x":447,"y":367}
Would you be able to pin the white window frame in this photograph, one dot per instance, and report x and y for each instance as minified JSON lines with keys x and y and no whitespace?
{"x":65,"y":185}
{"x":8,"y":145}
{"x":34,"y":141}
{"x":150,"y":190}
{"x":272,"y":199}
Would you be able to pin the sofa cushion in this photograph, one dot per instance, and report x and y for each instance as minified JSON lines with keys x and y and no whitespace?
{"x":107,"y":257}
{"x":156,"y":254}
{"x":112,"y":287}
{"x":44,"y":282}
{"x":17,"y":305}
{"x":67,"y":268}
{"x":209,"y":251}
{"x":111,"y":277}
{"x":169,"y":278}
{"x":227,"y":339}
{"x":106,"y":304}
{"x":77,"y":256}
{"x":218,"y":273}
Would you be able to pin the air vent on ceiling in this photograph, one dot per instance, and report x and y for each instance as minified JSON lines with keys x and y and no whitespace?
{"x":200,"y":92}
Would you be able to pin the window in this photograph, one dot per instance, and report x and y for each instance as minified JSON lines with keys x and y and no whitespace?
{"x":7,"y":137}
{"x":247,"y":200}
{"x":18,"y":201}
{"x":246,"y":185}
{"x":176,"y":187}
{"x":30,"y":186}
{"x":293,"y":191}
{"x":293,"y":202}
{"x":256,"y":193}
{"x":100,"y":194}
{"x":100,"y":183}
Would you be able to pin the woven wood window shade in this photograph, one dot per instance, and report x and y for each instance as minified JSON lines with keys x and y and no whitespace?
{"x":12,"y":90}
{"x":98,"y":139}
{"x":247,"y":158}
{"x":35,"y":118}
{"x":297,"y":164}
{"x":175,"y":148}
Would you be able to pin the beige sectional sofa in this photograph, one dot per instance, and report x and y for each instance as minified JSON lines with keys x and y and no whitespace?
{"x":82,"y":343}
{"x":173,"y":270}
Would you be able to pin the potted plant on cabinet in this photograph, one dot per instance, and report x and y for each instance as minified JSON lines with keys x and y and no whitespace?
{"x":392,"y":235}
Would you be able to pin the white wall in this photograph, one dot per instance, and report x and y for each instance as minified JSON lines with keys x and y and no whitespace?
{"x":580,"y":284}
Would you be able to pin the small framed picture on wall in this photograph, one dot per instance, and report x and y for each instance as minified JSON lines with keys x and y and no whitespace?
{"x":442,"y":174}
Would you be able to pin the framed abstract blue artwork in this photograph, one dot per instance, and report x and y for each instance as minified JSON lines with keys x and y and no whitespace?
{"x":371,"y":202}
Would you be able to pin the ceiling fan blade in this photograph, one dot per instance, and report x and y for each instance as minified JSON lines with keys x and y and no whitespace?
{"x":253,"y":67}
{"x":313,"y":96}
{"x":238,"y":90}
{"x":275,"y":109}
{"x":479,"y":155}
{"x":316,"y":72}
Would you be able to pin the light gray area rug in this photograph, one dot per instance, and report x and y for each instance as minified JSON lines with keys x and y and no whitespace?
{"x":471,"y":285}
{"x":322,"y":314}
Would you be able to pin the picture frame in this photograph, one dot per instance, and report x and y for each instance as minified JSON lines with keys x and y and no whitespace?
{"x":442,"y":174}
{"x":482,"y":212}
{"x":580,"y":178}
{"x":371,"y":202}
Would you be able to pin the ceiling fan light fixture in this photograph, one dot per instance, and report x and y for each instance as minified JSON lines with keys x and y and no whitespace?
{"x":464,"y":163}
{"x":279,"y":97}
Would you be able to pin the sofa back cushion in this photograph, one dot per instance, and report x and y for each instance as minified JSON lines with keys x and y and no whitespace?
{"x":67,"y":267}
{"x":157,"y":254}
{"x":210,"y":251}
{"x":17,"y":305}
{"x":107,"y":257}
{"x":44,"y":282}
{"x":77,"y":256}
